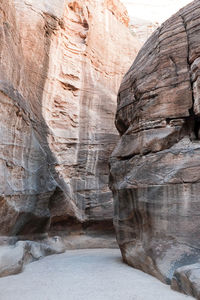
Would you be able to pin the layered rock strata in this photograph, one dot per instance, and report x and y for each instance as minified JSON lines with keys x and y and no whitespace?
{"x":60,"y":66}
{"x":155,"y":169}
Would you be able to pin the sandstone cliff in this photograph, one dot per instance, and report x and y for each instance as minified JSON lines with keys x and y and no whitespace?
{"x":61,"y":63}
{"x":155,"y":170}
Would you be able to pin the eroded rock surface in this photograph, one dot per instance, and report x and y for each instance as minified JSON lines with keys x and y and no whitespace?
{"x":146,"y":16}
{"x":61,"y":63}
{"x":186,"y":279}
{"x":155,"y":167}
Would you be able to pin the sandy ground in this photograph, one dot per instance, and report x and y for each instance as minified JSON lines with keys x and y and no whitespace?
{"x":96,"y":274}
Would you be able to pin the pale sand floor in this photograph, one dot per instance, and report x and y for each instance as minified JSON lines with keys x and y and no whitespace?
{"x":97,"y":274}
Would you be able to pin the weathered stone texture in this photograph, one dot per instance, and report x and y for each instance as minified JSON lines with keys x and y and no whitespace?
{"x":186,"y":279}
{"x":61,"y":63}
{"x":155,"y":169}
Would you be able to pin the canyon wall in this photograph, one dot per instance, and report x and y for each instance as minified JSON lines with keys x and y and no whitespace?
{"x":61,"y":63}
{"x":146,"y":16}
{"x":155,"y":167}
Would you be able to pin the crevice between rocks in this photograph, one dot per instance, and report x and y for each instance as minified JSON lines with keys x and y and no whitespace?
{"x":196,"y":119}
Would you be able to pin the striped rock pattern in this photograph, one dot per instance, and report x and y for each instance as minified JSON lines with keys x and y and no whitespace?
{"x":155,"y":167}
{"x":61,"y":63}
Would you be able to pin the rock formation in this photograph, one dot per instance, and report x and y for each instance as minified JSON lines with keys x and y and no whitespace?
{"x":146,"y":16}
{"x":142,"y":29}
{"x":61,"y":63}
{"x":155,"y":167}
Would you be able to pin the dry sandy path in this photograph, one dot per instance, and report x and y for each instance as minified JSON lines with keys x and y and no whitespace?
{"x":97,"y":274}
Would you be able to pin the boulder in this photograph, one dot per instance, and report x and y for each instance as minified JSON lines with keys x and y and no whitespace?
{"x":155,"y":167}
{"x":186,"y":279}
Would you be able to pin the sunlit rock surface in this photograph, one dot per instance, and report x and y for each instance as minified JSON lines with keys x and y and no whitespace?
{"x":155,"y":167}
{"x":61,"y":63}
{"x":146,"y":16}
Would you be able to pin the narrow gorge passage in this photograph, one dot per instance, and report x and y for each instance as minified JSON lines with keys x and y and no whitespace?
{"x":97,"y":274}
{"x":74,"y":156}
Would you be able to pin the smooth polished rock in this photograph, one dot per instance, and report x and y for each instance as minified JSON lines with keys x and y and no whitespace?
{"x":14,"y":257}
{"x":186,"y":279}
{"x":155,"y":169}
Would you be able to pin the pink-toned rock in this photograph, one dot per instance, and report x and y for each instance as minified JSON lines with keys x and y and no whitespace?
{"x":118,"y":10}
{"x":61,"y":63}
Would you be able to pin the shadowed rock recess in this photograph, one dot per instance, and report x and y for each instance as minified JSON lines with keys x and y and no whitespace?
{"x":61,"y":64}
{"x":155,"y":167}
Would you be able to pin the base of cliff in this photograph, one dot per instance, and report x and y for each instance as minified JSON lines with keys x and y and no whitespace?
{"x":16,"y":254}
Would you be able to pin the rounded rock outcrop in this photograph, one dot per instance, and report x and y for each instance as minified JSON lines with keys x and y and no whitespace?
{"x":155,"y":167}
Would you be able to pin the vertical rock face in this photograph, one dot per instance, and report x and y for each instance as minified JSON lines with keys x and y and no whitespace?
{"x":155,"y":169}
{"x":81,"y":109}
{"x":60,"y":66}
